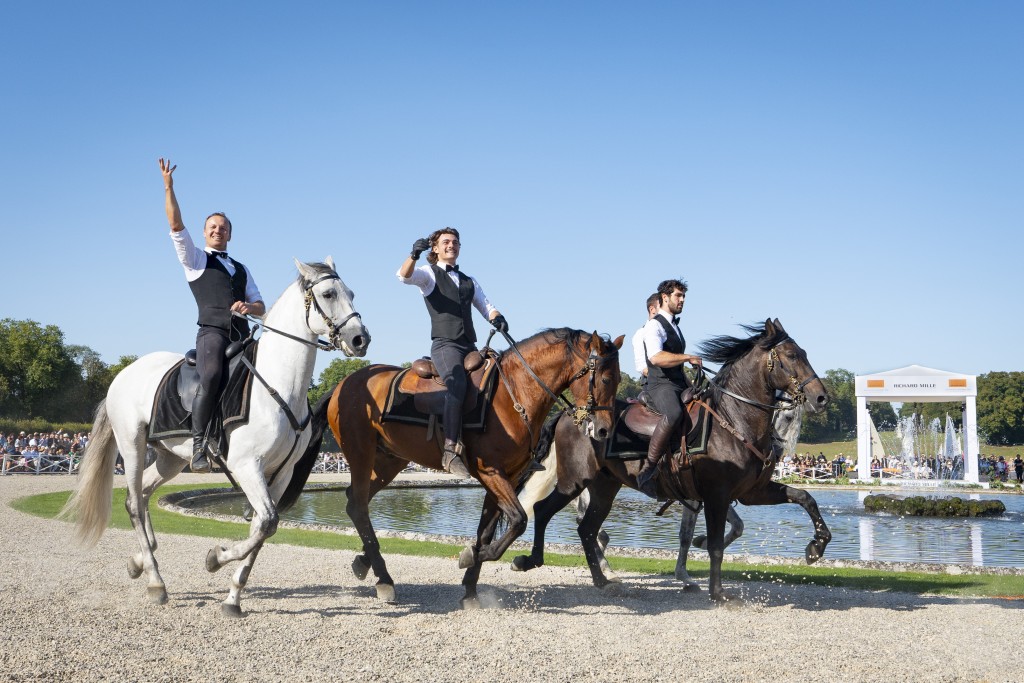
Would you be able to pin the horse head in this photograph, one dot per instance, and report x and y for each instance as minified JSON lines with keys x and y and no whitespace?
{"x":327,"y":295}
{"x":598,"y":382}
{"x":789,"y":370}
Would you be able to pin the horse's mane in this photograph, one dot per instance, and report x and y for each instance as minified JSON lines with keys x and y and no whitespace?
{"x":726,"y":349}
{"x":571,"y":338}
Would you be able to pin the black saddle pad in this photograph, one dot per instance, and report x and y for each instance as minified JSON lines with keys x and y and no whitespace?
{"x":625,"y":444}
{"x":400,"y":406}
{"x":171,"y":414}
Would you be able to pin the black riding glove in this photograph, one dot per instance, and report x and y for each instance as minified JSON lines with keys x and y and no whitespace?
{"x":500,"y":324}
{"x":418,"y":247}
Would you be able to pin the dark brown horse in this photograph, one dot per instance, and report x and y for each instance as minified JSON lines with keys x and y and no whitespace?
{"x":738,"y":464}
{"x":545,"y":365}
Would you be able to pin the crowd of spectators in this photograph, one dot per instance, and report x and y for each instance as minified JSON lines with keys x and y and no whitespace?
{"x":810,"y":466}
{"x":41,"y":451}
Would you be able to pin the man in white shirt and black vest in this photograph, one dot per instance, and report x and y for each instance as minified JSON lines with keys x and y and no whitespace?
{"x":450,"y":296}
{"x":665,"y":349}
{"x":220,"y":285}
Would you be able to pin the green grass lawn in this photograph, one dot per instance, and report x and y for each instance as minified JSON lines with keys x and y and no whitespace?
{"x":983,"y":585}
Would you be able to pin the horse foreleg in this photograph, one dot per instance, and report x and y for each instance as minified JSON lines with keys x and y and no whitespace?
{"x":774,"y":493}
{"x":543,"y":511}
{"x":715,"y":513}
{"x":358,"y":510}
{"x":735,"y":530}
{"x":231,"y":606}
{"x":603,"y":490}
{"x":470,"y":557}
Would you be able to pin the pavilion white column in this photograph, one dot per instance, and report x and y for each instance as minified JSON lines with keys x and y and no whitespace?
{"x":971,"y":446}
{"x":863,"y":439}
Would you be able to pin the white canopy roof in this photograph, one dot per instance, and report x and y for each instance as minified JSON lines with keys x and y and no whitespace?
{"x":916,"y":384}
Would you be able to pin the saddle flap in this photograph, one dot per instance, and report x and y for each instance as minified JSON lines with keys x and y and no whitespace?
{"x":428,"y":393}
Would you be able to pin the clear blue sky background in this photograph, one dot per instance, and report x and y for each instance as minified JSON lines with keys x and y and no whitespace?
{"x":854,"y":169}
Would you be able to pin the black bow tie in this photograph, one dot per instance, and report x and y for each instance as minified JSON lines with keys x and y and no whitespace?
{"x":675,"y":320}
{"x":222,"y":254}
{"x":449,"y":269}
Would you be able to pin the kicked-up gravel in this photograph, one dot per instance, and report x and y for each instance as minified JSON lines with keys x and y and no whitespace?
{"x":68,"y":613}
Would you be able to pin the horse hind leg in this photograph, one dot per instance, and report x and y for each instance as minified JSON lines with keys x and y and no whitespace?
{"x":687,"y":523}
{"x":144,"y":561}
{"x":165,"y":468}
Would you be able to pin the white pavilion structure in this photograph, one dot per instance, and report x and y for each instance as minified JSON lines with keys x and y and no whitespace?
{"x":918,"y":384}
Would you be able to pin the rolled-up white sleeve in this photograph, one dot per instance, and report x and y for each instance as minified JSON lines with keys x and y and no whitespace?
{"x":481,"y":302}
{"x":421,"y":277}
{"x":654,"y":337}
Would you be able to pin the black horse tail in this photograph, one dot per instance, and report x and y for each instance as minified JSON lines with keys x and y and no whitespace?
{"x":303,"y":468}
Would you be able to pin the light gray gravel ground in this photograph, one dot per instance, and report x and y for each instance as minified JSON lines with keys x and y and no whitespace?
{"x":73,"y":614}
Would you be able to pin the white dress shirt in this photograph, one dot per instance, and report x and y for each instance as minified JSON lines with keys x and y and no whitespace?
{"x":655,"y":335}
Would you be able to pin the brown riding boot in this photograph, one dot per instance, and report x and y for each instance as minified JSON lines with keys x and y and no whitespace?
{"x":645,"y":482}
{"x":452,"y":460}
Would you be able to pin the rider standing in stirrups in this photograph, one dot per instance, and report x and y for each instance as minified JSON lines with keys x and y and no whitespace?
{"x":665,"y":349}
{"x":449,"y":294}
{"x":221,"y":285}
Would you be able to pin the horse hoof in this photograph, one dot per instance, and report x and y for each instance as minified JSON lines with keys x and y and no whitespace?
{"x":725,"y":598}
{"x":157,"y":595}
{"x":691,"y":588}
{"x":212,"y":563}
{"x":813,"y":552}
{"x":522,"y":563}
{"x":612,"y":588}
{"x":134,"y":569}
{"x":470,"y":603}
{"x":466,"y":558}
{"x":386,"y":593}
{"x":359,"y":567}
{"x":700,"y":542}
{"x":233,"y":611}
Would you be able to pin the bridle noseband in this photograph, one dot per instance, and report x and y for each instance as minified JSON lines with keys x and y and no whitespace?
{"x":310,"y":300}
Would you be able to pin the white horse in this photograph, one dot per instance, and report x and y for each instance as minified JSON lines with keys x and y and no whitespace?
{"x":267,"y":447}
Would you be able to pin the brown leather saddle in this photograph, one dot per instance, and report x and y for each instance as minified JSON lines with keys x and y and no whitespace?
{"x":416,"y":395}
{"x":642,"y":418}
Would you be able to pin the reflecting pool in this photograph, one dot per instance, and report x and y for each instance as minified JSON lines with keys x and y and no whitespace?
{"x":782,"y":530}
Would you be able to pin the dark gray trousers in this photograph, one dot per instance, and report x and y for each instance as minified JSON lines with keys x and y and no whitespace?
{"x":210,"y":345}
{"x":449,"y":357}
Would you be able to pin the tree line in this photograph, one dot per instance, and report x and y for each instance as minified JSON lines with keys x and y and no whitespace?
{"x":42,"y":377}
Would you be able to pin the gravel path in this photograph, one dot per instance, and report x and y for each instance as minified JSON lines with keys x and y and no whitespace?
{"x":73,"y":614}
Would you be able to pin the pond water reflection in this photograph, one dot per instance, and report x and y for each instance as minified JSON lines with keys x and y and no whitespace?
{"x":781,"y":530}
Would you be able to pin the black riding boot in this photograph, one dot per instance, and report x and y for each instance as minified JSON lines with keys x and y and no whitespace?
{"x":655,"y":450}
{"x":202,"y":411}
{"x":452,"y":459}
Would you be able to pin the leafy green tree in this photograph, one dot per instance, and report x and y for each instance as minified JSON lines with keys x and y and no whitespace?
{"x":80,"y":399}
{"x":628,"y":387}
{"x":121,"y":364}
{"x":1001,"y":407}
{"x":883,"y":415}
{"x":35,"y":367}
{"x":339,"y":369}
{"x":839,"y":419}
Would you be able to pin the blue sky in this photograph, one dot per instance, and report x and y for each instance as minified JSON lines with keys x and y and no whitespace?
{"x":854,"y":169}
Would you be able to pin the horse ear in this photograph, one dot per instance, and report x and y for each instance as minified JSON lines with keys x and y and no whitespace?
{"x":618,"y":341}
{"x":330,"y":261}
{"x":778,"y":326}
{"x":305,"y":271}
{"x":769,"y":328}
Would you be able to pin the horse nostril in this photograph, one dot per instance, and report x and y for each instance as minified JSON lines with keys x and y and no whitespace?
{"x":823,"y":399}
{"x":357,"y":342}
{"x":602,"y":433}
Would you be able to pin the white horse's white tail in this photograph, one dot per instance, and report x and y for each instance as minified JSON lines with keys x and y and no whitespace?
{"x":540,"y":484}
{"x":92,"y":501}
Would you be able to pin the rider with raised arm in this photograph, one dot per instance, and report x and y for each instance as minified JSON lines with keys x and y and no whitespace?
{"x":221,"y":285}
{"x":665,"y":348}
{"x":449,"y":295}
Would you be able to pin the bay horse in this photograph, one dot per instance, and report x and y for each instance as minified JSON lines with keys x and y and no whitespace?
{"x":539,"y":485}
{"x":534,"y":374}
{"x":737,"y":466}
{"x":266,"y":447}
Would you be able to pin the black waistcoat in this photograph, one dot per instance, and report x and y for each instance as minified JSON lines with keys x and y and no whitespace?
{"x":451,"y":307}
{"x":674,"y":343}
{"x":215,"y":291}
